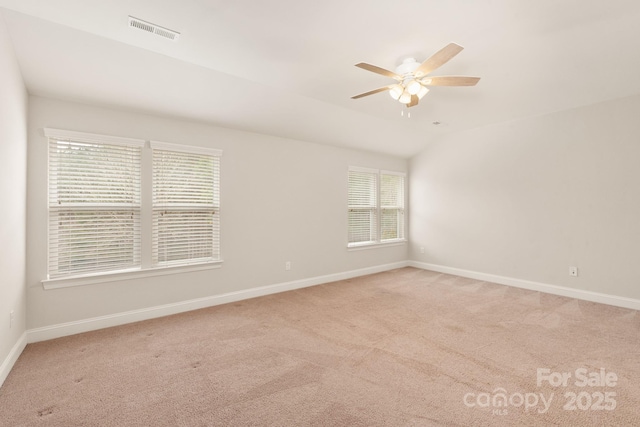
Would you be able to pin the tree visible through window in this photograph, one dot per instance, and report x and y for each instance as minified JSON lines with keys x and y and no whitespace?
{"x":97,"y":212}
{"x":186,"y":207}
{"x":94,"y":206}
{"x":391,"y":206}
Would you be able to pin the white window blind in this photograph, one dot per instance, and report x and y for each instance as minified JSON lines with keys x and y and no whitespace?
{"x":391,"y":206}
{"x":363,"y":211}
{"x":375,"y":206}
{"x":94,"y":203}
{"x":186,"y":205}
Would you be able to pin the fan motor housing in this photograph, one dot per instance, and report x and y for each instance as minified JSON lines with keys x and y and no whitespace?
{"x":408,"y":66}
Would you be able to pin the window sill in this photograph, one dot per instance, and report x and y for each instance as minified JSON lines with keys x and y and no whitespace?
{"x":362,"y":246}
{"x":114,"y":276}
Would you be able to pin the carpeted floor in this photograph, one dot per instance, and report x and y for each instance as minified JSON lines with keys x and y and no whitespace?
{"x":401,"y":348}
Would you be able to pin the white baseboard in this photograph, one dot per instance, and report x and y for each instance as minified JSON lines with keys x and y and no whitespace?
{"x":12,"y":357}
{"x":91,"y":324}
{"x":534,"y":286}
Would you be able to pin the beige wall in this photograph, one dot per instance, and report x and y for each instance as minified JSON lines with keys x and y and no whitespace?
{"x":13,"y":173}
{"x":282,"y":200}
{"x":529,"y":198}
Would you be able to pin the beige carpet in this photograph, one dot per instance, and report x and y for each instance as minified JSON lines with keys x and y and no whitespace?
{"x":402,"y":348}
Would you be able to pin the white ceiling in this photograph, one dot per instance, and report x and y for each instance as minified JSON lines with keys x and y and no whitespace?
{"x":285,"y":67}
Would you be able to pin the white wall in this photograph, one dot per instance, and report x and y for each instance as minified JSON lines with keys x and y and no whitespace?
{"x":13,"y":175}
{"x":527,"y":199}
{"x":282,"y":200}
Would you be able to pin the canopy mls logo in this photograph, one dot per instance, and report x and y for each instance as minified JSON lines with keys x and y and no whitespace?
{"x":500,"y":401}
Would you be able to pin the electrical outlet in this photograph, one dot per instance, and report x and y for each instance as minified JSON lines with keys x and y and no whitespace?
{"x":287,"y":265}
{"x":573,"y":271}
{"x":11,"y":318}
{"x":421,"y":249}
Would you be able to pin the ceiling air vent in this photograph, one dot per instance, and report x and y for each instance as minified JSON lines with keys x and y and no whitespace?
{"x":153,"y":28}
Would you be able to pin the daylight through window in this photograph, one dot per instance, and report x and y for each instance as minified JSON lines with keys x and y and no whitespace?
{"x":375,"y":207}
{"x":97,"y":211}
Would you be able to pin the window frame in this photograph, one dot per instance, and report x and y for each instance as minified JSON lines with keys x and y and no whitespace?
{"x":144,"y":268}
{"x":400,"y":225}
{"x":212,"y":209}
{"x":378,"y":241}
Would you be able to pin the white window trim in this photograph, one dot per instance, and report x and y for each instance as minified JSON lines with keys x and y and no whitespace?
{"x":384,"y":172}
{"x":115,"y":276}
{"x":197,"y":150}
{"x":376,"y":245}
{"x":380,"y":243}
{"x":145,"y":270}
{"x":404,"y":209}
{"x":92,"y":137}
{"x":168,"y":146}
{"x":366,"y":170}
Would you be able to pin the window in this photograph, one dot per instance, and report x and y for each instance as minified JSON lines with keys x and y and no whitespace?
{"x":94,"y":204}
{"x":112,"y":211}
{"x":391,"y":206}
{"x":186,"y":205}
{"x":375,"y":206}
{"x":363,"y":206}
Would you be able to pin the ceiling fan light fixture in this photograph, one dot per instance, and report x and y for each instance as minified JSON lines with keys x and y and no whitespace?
{"x":423,"y":91}
{"x":411,"y":78}
{"x":405,"y":98}
{"x":413,"y":86}
{"x":395,"y":91}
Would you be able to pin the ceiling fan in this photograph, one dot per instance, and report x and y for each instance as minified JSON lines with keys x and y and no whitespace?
{"x":411,"y":77}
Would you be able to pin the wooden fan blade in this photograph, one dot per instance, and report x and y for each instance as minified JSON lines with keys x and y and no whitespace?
{"x":450,"y":81}
{"x":414,"y":101}
{"x":378,"y":70}
{"x":371,"y":92}
{"x":438,"y":59}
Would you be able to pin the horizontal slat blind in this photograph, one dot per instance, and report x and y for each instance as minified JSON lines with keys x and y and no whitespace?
{"x":94,"y":207}
{"x":186,"y":207}
{"x":362,"y":204}
{"x":392,"y":206}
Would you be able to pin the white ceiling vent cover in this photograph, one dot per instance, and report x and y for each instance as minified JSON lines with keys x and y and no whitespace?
{"x":153,"y":28}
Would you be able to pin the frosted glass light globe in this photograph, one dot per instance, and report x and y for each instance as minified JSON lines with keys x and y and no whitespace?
{"x":413,"y":87}
{"x":395,"y":91}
